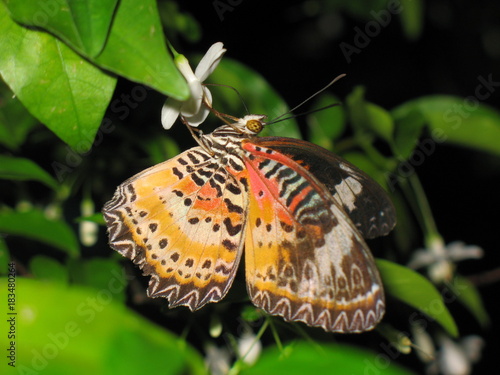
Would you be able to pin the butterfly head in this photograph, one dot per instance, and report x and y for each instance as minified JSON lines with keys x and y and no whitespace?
{"x":250,"y":124}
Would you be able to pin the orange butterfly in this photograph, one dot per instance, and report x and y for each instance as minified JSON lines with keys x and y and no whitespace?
{"x":298,"y":212}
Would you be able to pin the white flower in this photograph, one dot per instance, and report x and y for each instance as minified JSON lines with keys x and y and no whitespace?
{"x":440,"y":258}
{"x":193,"y":110}
{"x":88,"y":229}
{"x":249,"y":347}
{"x":457,"y":358}
{"x":217,"y":360}
{"x":452,"y":357}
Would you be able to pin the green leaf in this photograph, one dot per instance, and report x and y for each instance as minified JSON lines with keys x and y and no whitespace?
{"x":326,"y":125}
{"x":408,"y":130}
{"x":22,"y":169}
{"x":369,"y":117}
{"x":136,"y":49}
{"x":35,"y":225}
{"x":84,"y":25}
{"x":175,"y":20}
{"x":126,"y":39}
{"x":416,"y":291}
{"x":100,"y":273}
{"x":62,"y":330}
{"x":470,"y":298}
{"x":15,"y":120}
{"x":303,"y":358}
{"x":64,"y":91}
{"x":258,"y":95}
{"x":48,"y":269}
{"x":464,"y":122}
{"x":94,"y":218}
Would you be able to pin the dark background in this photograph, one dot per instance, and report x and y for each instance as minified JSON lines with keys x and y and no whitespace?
{"x":295,"y":45}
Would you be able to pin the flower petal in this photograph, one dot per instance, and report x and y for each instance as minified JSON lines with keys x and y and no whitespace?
{"x":208,"y":95}
{"x":210,"y":61}
{"x":169,"y":112}
{"x":183,"y":65}
{"x":198,"y":118}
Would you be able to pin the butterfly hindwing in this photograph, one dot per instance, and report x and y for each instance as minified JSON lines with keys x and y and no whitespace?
{"x":182,"y":221}
{"x":304,"y":258}
{"x":366,"y":202}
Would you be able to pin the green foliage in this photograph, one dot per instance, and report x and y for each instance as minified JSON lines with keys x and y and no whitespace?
{"x":74,"y":23}
{"x":15,"y":121}
{"x":257,"y":95}
{"x":303,"y":358}
{"x":55,"y":84}
{"x":415,"y":290}
{"x":328,"y":125}
{"x":61,"y":63}
{"x":462,"y":121}
{"x":468,"y":294}
{"x":35,"y":224}
{"x":87,"y":331}
{"x":48,"y":269}
{"x":24,"y":169}
{"x":67,"y":91}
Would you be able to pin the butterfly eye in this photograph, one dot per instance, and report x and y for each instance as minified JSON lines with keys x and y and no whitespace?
{"x":254,"y":126}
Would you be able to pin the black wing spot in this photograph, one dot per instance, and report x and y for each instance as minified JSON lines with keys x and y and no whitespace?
{"x":178,"y":173}
{"x":178,"y":193}
{"x":231,"y":246}
{"x":233,"y":207}
{"x":232,"y":230}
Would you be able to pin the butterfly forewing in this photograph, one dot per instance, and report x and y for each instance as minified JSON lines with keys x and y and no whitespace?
{"x":304,"y":258}
{"x":182,"y":222}
{"x":366,"y":202}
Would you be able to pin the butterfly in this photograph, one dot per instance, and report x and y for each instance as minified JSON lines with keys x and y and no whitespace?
{"x":297,"y":212}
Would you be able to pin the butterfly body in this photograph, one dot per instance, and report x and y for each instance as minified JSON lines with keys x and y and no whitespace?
{"x":187,"y":222}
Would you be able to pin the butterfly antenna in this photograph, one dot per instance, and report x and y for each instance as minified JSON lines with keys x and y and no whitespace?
{"x":279,"y":118}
